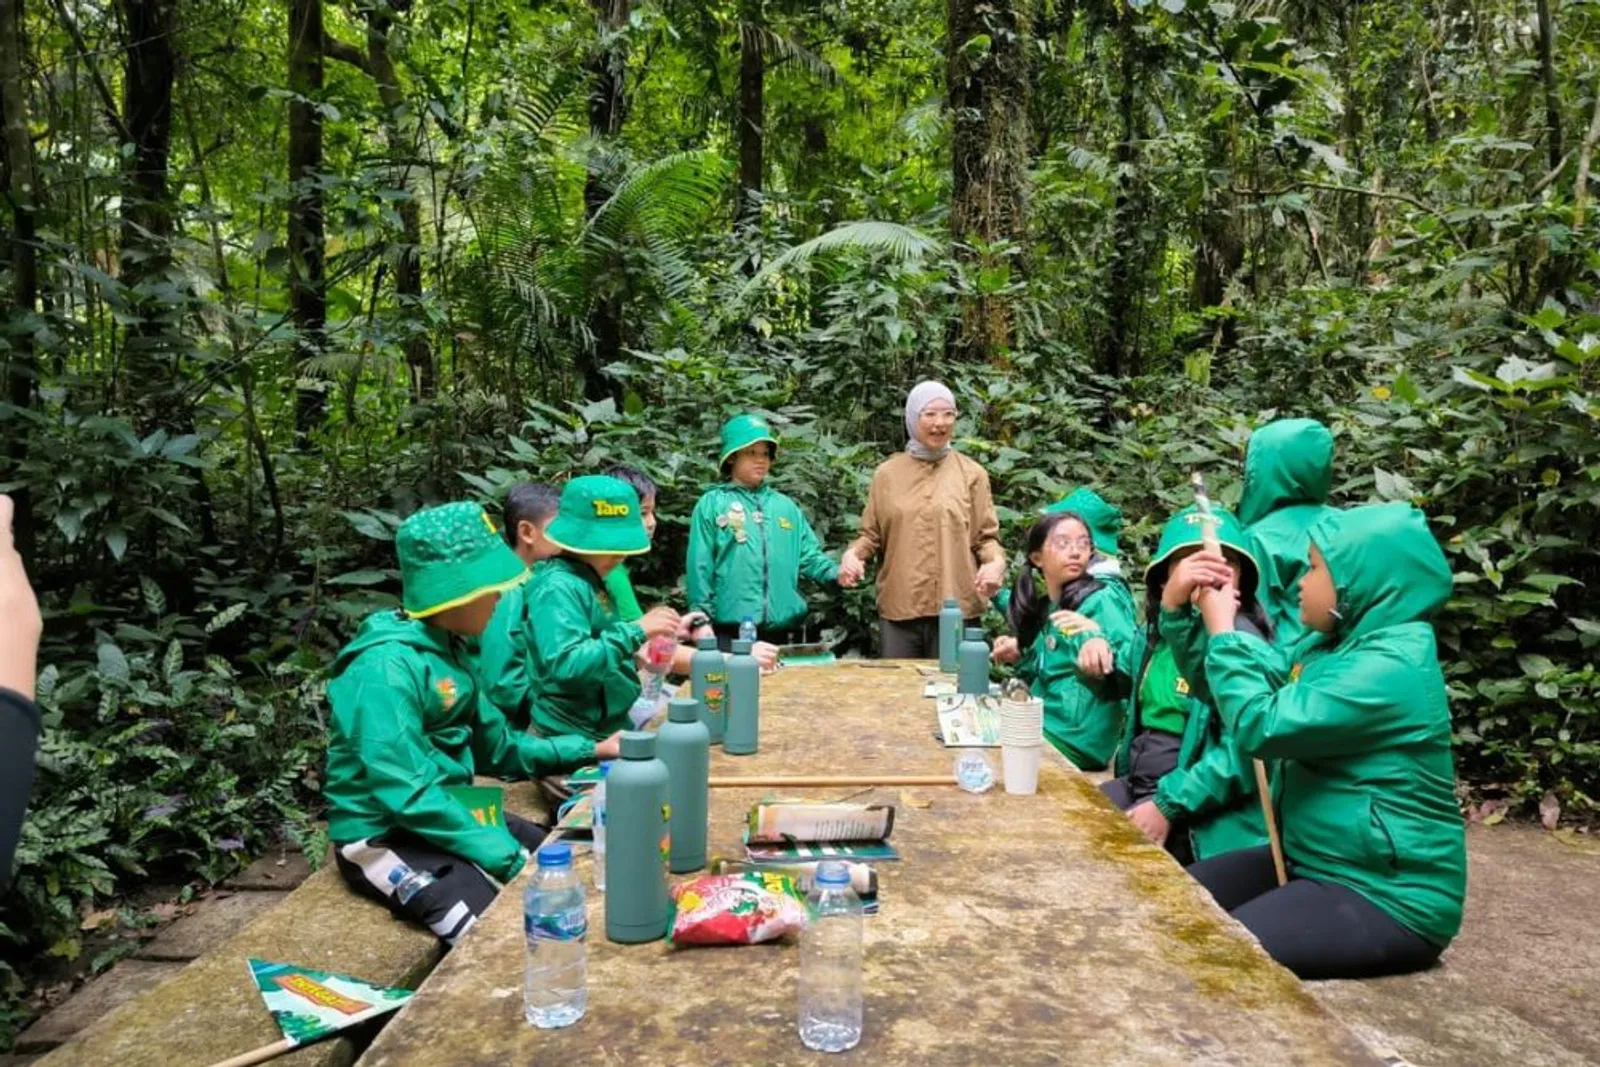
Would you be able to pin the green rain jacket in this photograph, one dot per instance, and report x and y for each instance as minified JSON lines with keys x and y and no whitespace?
{"x":1288,"y":471}
{"x":1362,"y":724}
{"x":1212,"y":792}
{"x":556,"y":655}
{"x":1083,"y":716}
{"x":408,"y":719}
{"x":758,"y":576}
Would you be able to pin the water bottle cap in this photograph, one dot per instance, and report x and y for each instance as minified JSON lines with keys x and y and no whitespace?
{"x":636,"y":744}
{"x":833,"y":873}
{"x":749,"y":618}
{"x":683,"y":709}
{"x":742,"y":648}
{"x":706,"y":644}
{"x":974,"y":634}
{"x":556,"y":855}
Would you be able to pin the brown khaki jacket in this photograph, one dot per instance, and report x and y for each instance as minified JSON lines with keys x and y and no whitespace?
{"x":935,"y":525}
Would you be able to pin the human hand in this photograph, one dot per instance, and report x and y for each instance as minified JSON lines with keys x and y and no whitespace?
{"x":1095,"y":659}
{"x":610,"y":748}
{"x":851,"y":569}
{"x":1072,"y":624}
{"x":1005,"y":650}
{"x":1218,"y":609}
{"x":660,"y":621}
{"x":1148,"y":818}
{"x":766,"y":654}
{"x":691,"y":624}
{"x":20,"y":623}
{"x":1203,"y":570}
{"x":989,"y":578}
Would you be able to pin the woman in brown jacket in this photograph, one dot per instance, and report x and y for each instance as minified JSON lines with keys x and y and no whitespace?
{"x":930,"y":513}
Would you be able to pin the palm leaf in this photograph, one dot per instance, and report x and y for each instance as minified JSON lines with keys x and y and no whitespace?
{"x":891,"y":239}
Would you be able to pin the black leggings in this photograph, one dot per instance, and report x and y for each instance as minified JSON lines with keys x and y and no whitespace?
{"x":1316,"y":929}
{"x":423,"y":883}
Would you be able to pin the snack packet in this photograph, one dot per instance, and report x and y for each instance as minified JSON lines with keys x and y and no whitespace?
{"x":735,"y":909}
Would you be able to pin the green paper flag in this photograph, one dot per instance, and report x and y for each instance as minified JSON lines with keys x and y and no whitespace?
{"x":310,"y":1005}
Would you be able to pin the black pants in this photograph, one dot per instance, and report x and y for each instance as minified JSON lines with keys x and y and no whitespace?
{"x":728,"y":632}
{"x":1151,"y":757}
{"x":911,"y":638}
{"x":1316,"y":929}
{"x":424,"y":883}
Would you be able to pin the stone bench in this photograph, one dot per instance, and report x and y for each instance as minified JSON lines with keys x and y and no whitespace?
{"x":210,"y":1010}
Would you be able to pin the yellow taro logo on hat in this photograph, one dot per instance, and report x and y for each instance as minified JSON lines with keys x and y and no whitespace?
{"x":606,"y":509}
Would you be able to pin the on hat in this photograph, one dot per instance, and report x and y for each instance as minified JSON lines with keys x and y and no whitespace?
{"x":742,"y":431}
{"x":599,"y":516}
{"x":451,"y":555}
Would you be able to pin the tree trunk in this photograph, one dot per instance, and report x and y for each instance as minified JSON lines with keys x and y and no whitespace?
{"x":987,"y":90}
{"x":150,"y":381}
{"x":752,"y":114}
{"x":408,"y":263}
{"x":1547,"y":74}
{"x":308,"y":297}
{"x":21,"y":193}
{"x":608,"y":106}
{"x":1119,"y":353}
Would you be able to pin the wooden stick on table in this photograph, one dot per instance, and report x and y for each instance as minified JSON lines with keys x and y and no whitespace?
{"x":1208,"y":534}
{"x":778,"y":781}
{"x":260,"y":1055}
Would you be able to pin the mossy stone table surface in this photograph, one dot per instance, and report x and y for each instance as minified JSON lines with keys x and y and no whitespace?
{"x":1014,"y":930}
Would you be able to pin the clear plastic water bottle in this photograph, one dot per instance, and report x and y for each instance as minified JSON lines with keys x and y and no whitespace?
{"x":830,"y":963}
{"x":658,"y":659}
{"x":597,"y":808}
{"x":555,"y":920}
{"x":747,"y":629}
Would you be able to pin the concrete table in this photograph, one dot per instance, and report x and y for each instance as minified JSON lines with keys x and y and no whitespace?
{"x":1014,"y":930}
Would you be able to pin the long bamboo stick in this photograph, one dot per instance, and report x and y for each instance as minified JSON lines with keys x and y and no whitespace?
{"x":260,"y":1055}
{"x":804,"y":781}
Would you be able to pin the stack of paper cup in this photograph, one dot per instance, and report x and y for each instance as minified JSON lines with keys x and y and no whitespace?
{"x":1021,"y":743}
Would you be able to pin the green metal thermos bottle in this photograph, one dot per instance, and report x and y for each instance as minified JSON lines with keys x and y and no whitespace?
{"x":950,"y":626}
{"x":708,"y":681}
{"x":685,"y":747}
{"x":974,"y":668}
{"x":637,"y":842}
{"x":744,"y":702}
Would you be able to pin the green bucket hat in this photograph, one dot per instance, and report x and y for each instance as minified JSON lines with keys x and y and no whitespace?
{"x":1104,"y":520}
{"x":742,"y":431}
{"x":450,"y":555}
{"x":599,"y":516}
{"x":1187,"y":528}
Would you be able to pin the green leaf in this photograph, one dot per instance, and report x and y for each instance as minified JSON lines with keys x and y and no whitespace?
{"x":113,"y":665}
{"x":227,"y":617}
{"x":117,"y":541}
{"x":369,"y":525}
{"x":173,"y":663}
{"x":1535,"y":666}
{"x":154,"y":599}
{"x":361,"y":578}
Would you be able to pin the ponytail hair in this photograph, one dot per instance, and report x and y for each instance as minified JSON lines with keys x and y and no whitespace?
{"x":1030,"y":605}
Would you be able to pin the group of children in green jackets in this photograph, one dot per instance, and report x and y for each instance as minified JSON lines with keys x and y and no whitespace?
{"x":1305,"y":643}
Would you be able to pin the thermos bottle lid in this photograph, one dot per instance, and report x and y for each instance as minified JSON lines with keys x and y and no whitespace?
{"x":974,"y":634}
{"x":951,"y":602}
{"x":682,"y":709}
{"x":742,"y":648}
{"x":636,"y":744}
{"x":707,"y":644}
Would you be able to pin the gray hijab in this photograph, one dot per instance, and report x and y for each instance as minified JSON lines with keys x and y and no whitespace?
{"x":923,"y":394}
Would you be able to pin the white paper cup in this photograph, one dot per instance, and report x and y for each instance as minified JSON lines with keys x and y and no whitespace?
{"x":1021,"y":767}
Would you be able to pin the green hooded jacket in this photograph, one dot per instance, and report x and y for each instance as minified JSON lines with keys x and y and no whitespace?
{"x":1288,"y":472}
{"x":1083,"y":716}
{"x":1361,"y":724}
{"x":1211,"y":793}
{"x":556,"y":656}
{"x":408,"y":719}
{"x":748,"y":549}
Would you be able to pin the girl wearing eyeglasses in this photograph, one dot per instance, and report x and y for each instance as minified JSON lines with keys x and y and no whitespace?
{"x":1076,"y":640}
